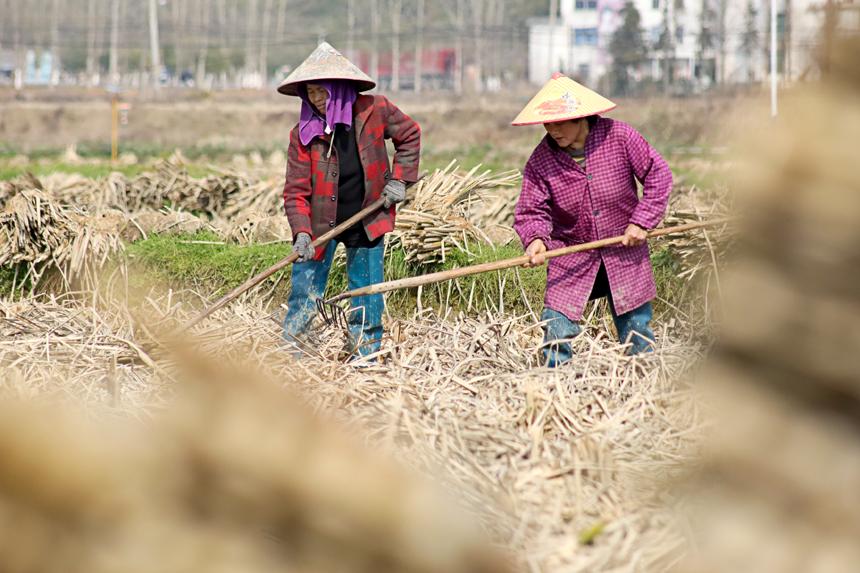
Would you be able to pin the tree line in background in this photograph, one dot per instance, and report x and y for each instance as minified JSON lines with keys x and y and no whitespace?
{"x":247,"y":42}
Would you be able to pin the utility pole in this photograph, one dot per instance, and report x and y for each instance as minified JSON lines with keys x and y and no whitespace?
{"x":155,"y":49}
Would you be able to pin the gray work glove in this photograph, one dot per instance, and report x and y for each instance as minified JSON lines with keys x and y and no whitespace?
{"x":302,"y":246}
{"x":394,"y":192}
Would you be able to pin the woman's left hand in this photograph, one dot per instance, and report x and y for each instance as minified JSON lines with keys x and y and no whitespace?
{"x":634,"y":235}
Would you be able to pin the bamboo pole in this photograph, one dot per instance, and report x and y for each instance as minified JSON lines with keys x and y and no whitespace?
{"x":440,"y":276}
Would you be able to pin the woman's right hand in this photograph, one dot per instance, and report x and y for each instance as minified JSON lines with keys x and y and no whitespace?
{"x":536,"y":251}
{"x":302,"y":245}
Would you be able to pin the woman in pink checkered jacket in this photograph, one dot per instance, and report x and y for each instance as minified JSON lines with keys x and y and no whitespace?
{"x":580,"y":185}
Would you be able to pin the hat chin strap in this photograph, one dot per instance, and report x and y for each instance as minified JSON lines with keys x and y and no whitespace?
{"x":331,"y":143}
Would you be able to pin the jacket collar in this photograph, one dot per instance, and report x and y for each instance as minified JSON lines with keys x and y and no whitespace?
{"x":363,"y":110}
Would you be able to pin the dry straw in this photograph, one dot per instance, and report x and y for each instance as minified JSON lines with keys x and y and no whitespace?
{"x":559,"y":465}
{"x":438,"y":216}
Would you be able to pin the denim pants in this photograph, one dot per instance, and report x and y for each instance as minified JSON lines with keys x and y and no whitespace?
{"x":363,"y":268}
{"x":633,"y":327}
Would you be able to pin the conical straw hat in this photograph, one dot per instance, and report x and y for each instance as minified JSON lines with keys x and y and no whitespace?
{"x":325,"y":63}
{"x":562,"y":98}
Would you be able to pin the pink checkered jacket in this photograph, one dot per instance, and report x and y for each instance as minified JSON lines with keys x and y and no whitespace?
{"x":564,"y":204}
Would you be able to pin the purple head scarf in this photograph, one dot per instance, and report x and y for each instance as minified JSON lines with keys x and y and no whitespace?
{"x":341,"y":97}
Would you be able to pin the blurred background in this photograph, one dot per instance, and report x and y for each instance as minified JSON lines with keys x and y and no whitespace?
{"x":217,"y":62}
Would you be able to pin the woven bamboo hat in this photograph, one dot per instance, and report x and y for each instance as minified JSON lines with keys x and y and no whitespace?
{"x":561,"y":99}
{"x":325,"y":63}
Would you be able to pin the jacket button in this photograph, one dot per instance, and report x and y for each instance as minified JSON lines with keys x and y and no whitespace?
{"x":333,"y":197}
{"x":331,"y":223}
{"x":596,"y":212}
{"x":590,"y":177}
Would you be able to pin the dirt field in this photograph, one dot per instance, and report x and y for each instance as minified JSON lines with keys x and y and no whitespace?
{"x":248,"y":121}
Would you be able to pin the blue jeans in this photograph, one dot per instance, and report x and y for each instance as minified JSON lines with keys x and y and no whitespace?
{"x":633,"y":327}
{"x":363,"y":268}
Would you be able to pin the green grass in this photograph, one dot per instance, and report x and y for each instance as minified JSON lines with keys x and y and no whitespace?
{"x":214,"y":269}
{"x":13,"y":282}
{"x":184,"y":261}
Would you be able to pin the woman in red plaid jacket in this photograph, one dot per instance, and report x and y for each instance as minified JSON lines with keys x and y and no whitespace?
{"x":337,"y":165}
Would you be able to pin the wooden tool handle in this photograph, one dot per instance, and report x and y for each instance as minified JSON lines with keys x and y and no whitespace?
{"x":440,"y":276}
{"x":286,"y":261}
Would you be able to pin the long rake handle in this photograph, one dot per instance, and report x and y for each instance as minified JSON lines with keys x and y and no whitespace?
{"x":440,"y":276}
{"x":286,"y":261}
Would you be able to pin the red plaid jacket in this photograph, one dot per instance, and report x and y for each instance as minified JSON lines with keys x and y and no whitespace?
{"x":310,"y":193}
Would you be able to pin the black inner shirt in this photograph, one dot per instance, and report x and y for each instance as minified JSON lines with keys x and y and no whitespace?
{"x":350,"y":187}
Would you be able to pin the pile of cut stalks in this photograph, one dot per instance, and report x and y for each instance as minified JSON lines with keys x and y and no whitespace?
{"x":564,"y":468}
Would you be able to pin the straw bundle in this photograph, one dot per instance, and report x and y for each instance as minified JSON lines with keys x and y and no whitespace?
{"x":34,"y":229}
{"x":167,"y":222}
{"x":264,"y":197}
{"x":234,"y":474}
{"x":437,"y":217}
{"x":45,"y":236}
{"x":255,"y":228}
{"x":556,"y":464}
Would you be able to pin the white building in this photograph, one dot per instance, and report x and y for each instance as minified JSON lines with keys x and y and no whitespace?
{"x":577,"y":42}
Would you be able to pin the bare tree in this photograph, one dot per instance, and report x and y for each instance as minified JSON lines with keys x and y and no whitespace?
{"x":91,"y":38}
{"x":264,"y":41}
{"x":722,"y":40}
{"x":497,"y":44}
{"x":705,"y":41}
{"x":55,"y":40}
{"x":553,"y":13}
{"x":458,"y":46}
{"x":280,"y":24}
{"x":250,"y":31}
{"x":396,"y":9}
{"x":154,"y":43}
{"x":478,"y":38}
{"x":221,"y":15}
{"x":419,"y":46}
{"x":374,"y":39}
{"x":114,"y":41}
{"x":350,"y":29}
{"x":15,"y":17}
{"x":204,"y":14}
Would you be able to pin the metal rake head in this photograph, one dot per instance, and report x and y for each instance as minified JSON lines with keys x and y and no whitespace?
{"x":332,"y":314}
